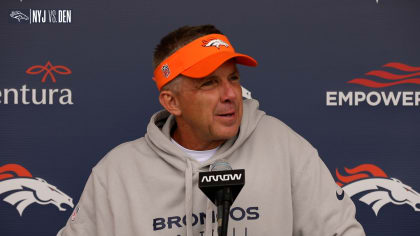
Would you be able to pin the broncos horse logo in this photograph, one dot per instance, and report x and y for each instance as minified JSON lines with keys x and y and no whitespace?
{"x":380,"y":189}
{"x":22,"y":189}
{"x":214,"y":43}
{"x":18,"y":15}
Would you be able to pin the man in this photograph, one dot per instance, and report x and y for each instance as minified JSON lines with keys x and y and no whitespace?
{"x":149,"y":186}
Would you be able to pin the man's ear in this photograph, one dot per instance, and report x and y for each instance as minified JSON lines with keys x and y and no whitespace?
{"x":170,"y":102}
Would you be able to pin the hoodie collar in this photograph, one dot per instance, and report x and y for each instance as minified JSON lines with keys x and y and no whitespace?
{"x":158,"y":137}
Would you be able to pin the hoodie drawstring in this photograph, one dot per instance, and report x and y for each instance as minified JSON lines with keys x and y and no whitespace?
{"x":188,"y":197}
{"x":189,"y":204}
{"x":209,"y":218}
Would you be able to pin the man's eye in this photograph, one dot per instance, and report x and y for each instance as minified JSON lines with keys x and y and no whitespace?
{"x":208,"y":83}
{"x":235,"y":77}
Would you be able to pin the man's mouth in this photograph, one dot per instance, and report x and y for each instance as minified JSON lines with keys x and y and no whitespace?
{"x":227,"y":118}
{"x":228,"y":114}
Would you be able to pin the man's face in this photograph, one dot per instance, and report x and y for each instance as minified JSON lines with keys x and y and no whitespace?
{"x":211,"y":107}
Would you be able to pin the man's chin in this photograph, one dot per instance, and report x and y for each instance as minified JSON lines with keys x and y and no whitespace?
{"x":226,"y":133}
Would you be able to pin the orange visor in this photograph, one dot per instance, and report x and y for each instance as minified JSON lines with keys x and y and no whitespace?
{"x":199,"y":59}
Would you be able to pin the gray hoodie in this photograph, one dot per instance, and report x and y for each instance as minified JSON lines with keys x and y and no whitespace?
{"x":149,"y":187}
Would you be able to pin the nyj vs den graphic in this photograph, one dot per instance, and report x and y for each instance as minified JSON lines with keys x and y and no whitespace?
{"x":40,"y":16}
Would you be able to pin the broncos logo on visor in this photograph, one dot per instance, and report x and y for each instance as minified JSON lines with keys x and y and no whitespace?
{"x":22,"y":189}
{"x":378,"y":188}
{"x":214,"y":43}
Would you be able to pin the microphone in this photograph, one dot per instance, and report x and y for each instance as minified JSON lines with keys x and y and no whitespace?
{"x":222,"y":185}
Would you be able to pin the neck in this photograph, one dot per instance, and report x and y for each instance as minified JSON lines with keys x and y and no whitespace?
{"x":189,"y":141}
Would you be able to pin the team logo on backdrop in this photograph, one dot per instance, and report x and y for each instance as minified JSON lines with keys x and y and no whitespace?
{"x":41,"y":16}
{"x":376,"y":188}
{"x":48,"y":70}
{"x":407,"y":75}
{"x":391,"y":74}
{"x":246,"y":93}
{"x":47,"y":74}
{"x":20,"y":189}
{"x":213,"y":42}
{"x":74,"y":214}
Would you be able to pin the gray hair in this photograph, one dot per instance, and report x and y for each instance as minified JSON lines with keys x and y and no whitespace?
{"x":174,"y":85}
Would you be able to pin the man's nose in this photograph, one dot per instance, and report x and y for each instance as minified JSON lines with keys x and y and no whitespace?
{"x":227,"y":91}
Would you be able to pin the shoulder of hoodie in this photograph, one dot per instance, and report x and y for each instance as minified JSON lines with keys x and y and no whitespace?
{"x":122,"y":155}
{"x":296,"y":149}
{"x":282,"y":134}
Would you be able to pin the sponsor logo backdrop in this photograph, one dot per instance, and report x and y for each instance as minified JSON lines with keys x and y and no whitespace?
{"x":75,"y":81}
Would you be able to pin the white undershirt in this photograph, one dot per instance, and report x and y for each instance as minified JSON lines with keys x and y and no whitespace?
{"x":200,"y":156}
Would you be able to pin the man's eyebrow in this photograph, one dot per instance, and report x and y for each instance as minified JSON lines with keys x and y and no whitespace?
{"x":236,"y":71}
{"x":210,"y":77}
